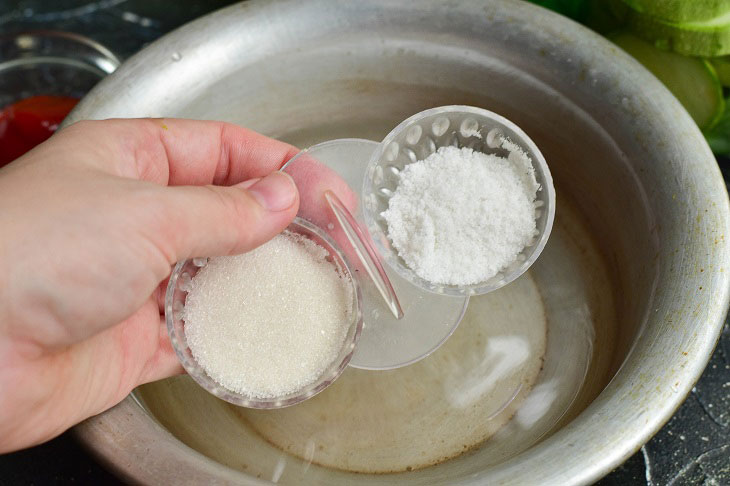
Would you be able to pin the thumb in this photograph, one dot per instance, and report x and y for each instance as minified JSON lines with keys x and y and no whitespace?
{"x":215,"y":220}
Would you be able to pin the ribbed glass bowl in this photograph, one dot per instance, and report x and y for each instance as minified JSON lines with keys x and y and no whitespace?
{"x":177,"y":290}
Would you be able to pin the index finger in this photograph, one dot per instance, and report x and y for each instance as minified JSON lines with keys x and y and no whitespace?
{"x":185,"y":152}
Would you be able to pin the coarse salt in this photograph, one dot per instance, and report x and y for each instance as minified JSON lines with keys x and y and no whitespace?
{"x":459,"y":216}
{"x":271,"y":321}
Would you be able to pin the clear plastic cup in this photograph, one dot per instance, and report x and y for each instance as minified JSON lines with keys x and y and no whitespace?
{"x":390,"y":339}
{"x":421,"y":135}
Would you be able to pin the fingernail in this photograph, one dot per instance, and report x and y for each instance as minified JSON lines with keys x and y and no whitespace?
{"x":248,"y":183}
{"x":275,"y":192}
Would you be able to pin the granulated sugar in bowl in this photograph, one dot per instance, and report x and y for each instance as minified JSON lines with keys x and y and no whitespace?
{"x":270,"y":327}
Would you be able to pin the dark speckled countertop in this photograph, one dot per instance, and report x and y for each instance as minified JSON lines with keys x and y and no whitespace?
{"x":693,"y":448}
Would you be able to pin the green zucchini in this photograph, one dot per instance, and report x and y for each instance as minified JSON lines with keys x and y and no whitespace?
{"x":681,"y":11}
{"x":693,"y":81}
{"x":722,"y":67}
{"x":706,"y":38}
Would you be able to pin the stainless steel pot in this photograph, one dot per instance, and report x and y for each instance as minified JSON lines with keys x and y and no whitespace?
{"x":621,"y":148}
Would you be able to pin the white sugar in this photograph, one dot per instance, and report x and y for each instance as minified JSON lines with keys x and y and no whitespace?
{"x":459,"y":217}
{"x":271,"y":321}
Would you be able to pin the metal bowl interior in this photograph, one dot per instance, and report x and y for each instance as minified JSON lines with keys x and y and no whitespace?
{"x":623,"y":153}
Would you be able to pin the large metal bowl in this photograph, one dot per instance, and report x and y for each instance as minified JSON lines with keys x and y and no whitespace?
{"x":620,"y":147}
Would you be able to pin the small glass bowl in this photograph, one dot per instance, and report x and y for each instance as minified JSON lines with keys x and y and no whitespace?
{"x":421,"y":135}
{"x":177,"y":290}
{"x":51,"y":63}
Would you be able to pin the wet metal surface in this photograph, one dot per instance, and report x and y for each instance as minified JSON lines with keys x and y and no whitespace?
{"x":692,"y":448}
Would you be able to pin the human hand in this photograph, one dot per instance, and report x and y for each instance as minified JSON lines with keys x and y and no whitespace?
{"x":90,"y":231}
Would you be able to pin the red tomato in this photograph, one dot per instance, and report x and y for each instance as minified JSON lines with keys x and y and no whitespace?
{"x":25,"y":124}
